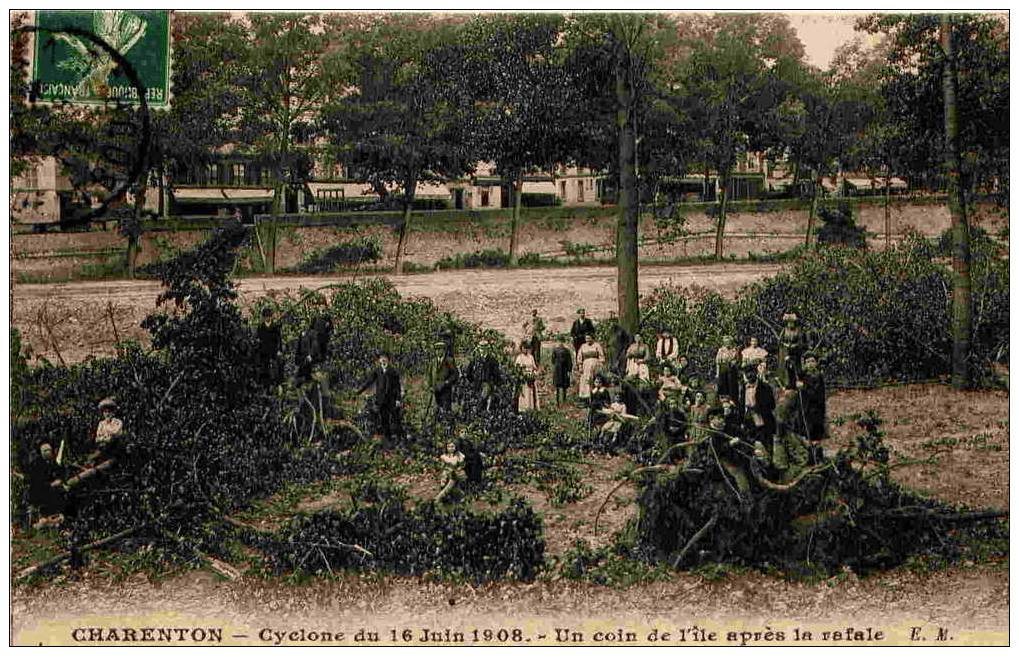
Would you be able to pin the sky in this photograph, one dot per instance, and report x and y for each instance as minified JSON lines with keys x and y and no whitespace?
{"x":823,"y":32}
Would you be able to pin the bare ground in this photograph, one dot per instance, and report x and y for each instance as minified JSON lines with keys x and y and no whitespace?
{"x":962,"y":435}
{"x":82,"y":319}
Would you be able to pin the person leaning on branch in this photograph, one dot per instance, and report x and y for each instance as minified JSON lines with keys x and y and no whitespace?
{"x":110,"y":444}
{"x":452,"y":471}
{"x":388,"y":397}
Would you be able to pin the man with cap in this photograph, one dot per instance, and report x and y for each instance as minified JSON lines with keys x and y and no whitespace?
{"x":388,"y":397}
{"x":442,"y":377}
{"x":757,"y":402}
{"x":582,"y":327}
{"x":535,"y":328}
{"x":110,"y":444}
{"x":484,"y":372}
{"x":790,"y":350}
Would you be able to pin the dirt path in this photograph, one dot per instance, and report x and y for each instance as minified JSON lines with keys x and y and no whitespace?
{"x":76,"y":317}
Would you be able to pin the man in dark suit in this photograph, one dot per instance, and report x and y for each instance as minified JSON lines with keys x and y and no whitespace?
{"x":388,"y":397}
{"x":581,"y":328}
{"x":270,"y":346}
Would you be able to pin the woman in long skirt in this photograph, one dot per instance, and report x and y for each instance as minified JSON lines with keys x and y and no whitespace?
{"x":527,"y":399}
{"x":591,"y":357}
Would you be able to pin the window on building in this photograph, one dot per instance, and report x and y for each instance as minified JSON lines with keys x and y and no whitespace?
{"x":237,"y":174}
{"x":562,"y":190}
{"x":580,"y":189}
{"x":486,"y":195}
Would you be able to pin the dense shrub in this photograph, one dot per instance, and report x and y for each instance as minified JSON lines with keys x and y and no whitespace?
{"x":369,"y":317}
{"x":202,"y":437}
{"x":872,"y":316}
{"x":453,"y":542}
{"x":490,"y":258}
{"x":846,"y":513}
{"x":358,"y":251}
{"x":839,"y":228}
{"x":539,"y":199}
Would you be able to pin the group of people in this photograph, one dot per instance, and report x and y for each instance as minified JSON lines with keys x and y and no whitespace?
{"x":51,"y":479}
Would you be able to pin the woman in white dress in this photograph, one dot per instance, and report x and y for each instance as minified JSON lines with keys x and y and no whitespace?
{"x":527,"y":398}
{"x":636,"y":352}
{"x":591,"y":356}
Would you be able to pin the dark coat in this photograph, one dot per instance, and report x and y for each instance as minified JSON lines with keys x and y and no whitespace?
{"x":386,"y":383}
{"x":323,"y":327}
{"x":270,"y":340}
{"x":765,"y":406}
{"x":562,"y":367}
{"x":581,"y":328}
{"x":813,"y":399}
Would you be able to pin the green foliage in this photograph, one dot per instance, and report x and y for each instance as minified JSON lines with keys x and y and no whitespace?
{"x":358,"y":251}
{"x":202,"y":438}
{"x":539,"y":199}
{"x":912,"y":90}
{"x":871,"y":316}
{"x":989,"y":271}
{"x":839,"y":227}
{"x":612,"y":565}
{"x":387,"y":536}
{"x":845,"y":513}
{"x":492,"y":258}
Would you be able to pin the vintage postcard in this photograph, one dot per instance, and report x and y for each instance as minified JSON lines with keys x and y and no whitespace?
{"x":508,"y":329}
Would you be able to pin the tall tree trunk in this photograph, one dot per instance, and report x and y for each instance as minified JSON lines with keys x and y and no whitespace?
{"x":410,"y":187}
{"x":962,"y":313}
{"x":723,"y":197}
{"x":518,"y":187}
{"x":629,"y":207}
{"x":814,"y":198}
{"x":161,"y":176}
{"x":133,"y":238}
{"x":277,"y":203}
{"x":888,"y":209}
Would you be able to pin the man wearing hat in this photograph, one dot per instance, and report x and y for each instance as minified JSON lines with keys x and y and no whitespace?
{"x":757,"y":402}
{"x":581,"y":328}
{"x":536,"y":329}
{"x":388,"y":396}
{"x":484,"y":373}
{"x":442,"y":377}
{"x":109,"y":426}
{"x":790,"y":350}
{"x":110,"y":443}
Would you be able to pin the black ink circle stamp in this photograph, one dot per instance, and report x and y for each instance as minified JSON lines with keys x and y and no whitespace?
{"x":108,"y":158}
